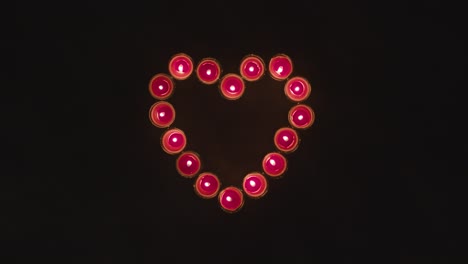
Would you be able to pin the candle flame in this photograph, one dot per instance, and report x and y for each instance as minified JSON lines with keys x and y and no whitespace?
{"x":280,"y":70}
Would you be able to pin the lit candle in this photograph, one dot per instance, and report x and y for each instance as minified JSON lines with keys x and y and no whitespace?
{"x":180,"y":66}
{"x":286,"y":139}
{"x":280,"y":67}
{"x":252,"y":68}
{"x":255,"y":185}
{"x":301,"y":116}
{"x":207,"y":185}
{"x":232,"y":86}
{"x":173,"y":141}
{"x":297,"y":89}
{"x":161,"y":86}
{"x":162,"y":114}
{"x":188,"y":164}
{"x":231,"y":199}
{"x":274,"y":164}
{"x":208,"y":71}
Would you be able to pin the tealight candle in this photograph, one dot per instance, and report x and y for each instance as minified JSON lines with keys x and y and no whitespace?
{"x":254,"y":185}
{"x":232,"y":86}
{"x":252,"y":68}
{"x":162,"y":114}
{"x":161,"y":86}
{"x":181,"y":66}
{"x":301,"y":116}
{"x":286,"y":139}
{"x":297,"y":89}
{"x":208,"y":71}
{"x":280,"y":67}
{"x":231,"y":199}
{"x":207,"y":185}
{"x":274,"y":164}
{"x":188,"y":164}
{"x":173,"y":141}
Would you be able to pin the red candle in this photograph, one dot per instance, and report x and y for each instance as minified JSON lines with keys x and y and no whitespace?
{"x":188,"y":164}
{"x":231,"y":199}
{"x":162,"y":114}
{"x":161,"y":86}
{"x":232,"y":86}
{"x":173,"y":141}
{"x":280,"y":67}
{"x":207,"y":185}
{"x":274,"y":164}
{"x":286,"y":139}
{"x":180,"y":66}
{"x":252,"y":68}
{"x":255,"y":185}
{"x":208,"y":71}
{"x":297,"y":89}
{"x":301,"y":116}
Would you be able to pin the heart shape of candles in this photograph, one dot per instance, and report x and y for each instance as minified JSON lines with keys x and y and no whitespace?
{"x":231,"y":86}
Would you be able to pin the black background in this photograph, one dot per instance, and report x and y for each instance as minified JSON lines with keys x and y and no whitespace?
{"x":371,"y":178}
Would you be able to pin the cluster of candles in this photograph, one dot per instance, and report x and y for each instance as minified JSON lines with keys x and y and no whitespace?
{"x":231,"y":86}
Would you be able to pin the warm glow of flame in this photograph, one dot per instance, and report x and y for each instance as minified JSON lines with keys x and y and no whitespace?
{"x":162,"y":114}
{"x":207,"y":184}
{"x":174,"y":139}
{"x":189,"y":163}
{"x":180,"y":68}
{"x":252,"y":183}
{"x":208,"y":72}
{"x":300,"y":117}
{"x":228,"y":198}
{"x":279,"y":70}
{"x":251,"y":68}
{"x":272,"y":162}
{"x":285,"y":138}
{"x":232,"y":88}
{"x":297,"y":89}
{"x":160,"y":87}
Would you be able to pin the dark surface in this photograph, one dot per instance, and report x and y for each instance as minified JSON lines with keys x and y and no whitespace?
{"x":368,"y":182}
